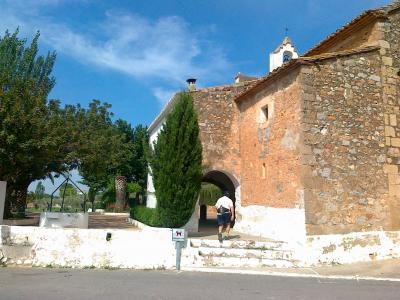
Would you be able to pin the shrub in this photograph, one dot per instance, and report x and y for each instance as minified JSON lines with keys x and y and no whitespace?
{"x":146,"y":215}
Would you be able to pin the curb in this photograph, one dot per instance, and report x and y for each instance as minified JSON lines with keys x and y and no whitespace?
{"x":283,"y":274}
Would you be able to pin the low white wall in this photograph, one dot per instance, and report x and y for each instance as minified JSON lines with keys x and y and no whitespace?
{"x":64,"y":220}
{"x":281,"y":224}
{"x":152,"y":248}
{"x":352,"y":247}
{"x":80,"y":248}
{"x":3,"y":186}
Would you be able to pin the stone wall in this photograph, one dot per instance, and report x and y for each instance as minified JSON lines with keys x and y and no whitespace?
{"x":390,"y":52}
{"x":270,"y":146}
{"x":346,"y":188}
{"x":366,"y":35}
{"x":218,"y":122}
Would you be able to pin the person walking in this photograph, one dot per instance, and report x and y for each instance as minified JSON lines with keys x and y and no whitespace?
{"x":225,"y":214}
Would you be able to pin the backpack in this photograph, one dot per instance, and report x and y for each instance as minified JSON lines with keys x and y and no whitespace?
{"x":222,"y":210}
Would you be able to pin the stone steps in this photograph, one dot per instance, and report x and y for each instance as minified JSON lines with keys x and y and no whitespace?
{"x":246,"y":253}
{"x":237,"y":262}
{"x":239,"y":244}
{"x":116,"y":221}
{"x":240,"y":254}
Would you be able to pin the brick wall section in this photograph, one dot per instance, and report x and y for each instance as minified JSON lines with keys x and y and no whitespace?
{"x":219,"y":133}
{"x":272,"y":145}
{"x":344,"y":134}
{"x":390,"y":51}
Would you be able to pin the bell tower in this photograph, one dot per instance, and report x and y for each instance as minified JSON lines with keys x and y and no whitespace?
{"x":284,"y":53}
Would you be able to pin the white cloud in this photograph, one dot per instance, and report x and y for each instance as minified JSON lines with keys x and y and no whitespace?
{"x":163,"y":95}
{"x":166,"y":48}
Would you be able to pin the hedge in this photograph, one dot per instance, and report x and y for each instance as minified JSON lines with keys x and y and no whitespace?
{"x":146,"y":215}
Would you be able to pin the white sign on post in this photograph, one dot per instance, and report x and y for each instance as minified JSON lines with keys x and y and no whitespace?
{"x":178,"y":235}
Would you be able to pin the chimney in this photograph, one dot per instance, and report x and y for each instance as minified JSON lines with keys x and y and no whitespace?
{"x":191,"y":84}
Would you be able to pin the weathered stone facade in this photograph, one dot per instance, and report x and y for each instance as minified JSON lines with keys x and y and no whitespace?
{"x":219,"y":131}
{"x":344,"y":137}
{"x":313,"y":148}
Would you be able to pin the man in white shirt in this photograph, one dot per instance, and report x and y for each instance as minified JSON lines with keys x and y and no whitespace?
{"x":225,"y":214}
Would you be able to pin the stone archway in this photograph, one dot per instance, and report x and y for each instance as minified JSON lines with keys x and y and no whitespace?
{"x":221,"y":180}
{"x":225,"y":182}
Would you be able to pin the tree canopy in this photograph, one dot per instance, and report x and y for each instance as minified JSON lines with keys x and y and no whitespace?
{"x":39,"y":137}
{"x":31,"y":129}
{"x":176,"y":164}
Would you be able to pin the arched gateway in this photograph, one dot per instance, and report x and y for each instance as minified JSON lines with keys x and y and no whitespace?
{"x":224,"y":181}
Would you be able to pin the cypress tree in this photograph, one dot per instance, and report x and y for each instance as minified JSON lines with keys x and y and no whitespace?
{"x":176,"y":164}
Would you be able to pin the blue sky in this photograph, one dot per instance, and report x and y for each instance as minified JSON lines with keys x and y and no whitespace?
{"x":134,"y":54}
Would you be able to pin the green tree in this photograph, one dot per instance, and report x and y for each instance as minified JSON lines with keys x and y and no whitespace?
{"x":100,"y":147}
{"x":139,"y":162}
{"x":67,"y":190}
{"x":32,"y":133}
{"x":39,"y":191}
{"x":133,"y":164}
{"x":176,"y":164}
{"x":209,"y":194}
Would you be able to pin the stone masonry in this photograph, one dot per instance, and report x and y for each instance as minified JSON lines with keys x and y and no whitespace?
{"x":344,"y":136}
{"x":218,"y":122}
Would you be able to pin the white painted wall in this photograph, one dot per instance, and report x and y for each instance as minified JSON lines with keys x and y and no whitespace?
{"x":283,"y":224}
{"x":352,"y":247}
{"x":81,"y":248}
{"x":152,"y":248}
{"x":64,"y":220}
{"x":3,"y":186}
{"x":151,"y":197}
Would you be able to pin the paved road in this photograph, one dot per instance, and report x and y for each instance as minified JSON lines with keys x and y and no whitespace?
{"x":60,"y":284}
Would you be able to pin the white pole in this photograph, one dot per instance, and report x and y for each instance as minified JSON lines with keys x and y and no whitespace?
{"x":3,"y":185}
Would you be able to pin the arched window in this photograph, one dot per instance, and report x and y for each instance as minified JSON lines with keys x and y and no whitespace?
{"x":287,"y":56}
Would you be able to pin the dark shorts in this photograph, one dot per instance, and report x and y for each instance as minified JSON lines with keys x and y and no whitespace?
{"x":224,"y":219}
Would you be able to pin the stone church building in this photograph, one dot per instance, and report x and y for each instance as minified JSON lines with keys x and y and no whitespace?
{"x":313,"y":147}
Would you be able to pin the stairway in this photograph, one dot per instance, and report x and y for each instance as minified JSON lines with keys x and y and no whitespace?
{"x":115,"y":221}
{"x":239,"y":253}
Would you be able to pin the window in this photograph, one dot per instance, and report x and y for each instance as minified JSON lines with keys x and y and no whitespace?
{"x":263,"y":171}
{"x":287,"y":56}
{"x":265,"y":113}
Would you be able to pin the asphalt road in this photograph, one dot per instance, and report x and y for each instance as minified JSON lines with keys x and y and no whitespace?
{"x":59,"y":284}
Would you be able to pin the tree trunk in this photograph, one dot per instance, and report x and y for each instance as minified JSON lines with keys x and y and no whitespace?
{"x":7,"y":207}
{"x":91,"y":197}
{"x":20,"y":199}
{"x":120,"y":193}
{"x":10,"y":199}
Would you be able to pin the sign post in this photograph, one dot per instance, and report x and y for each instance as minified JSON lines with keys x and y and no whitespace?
{"x":178,"y":236}
{"x":3,"y":186}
